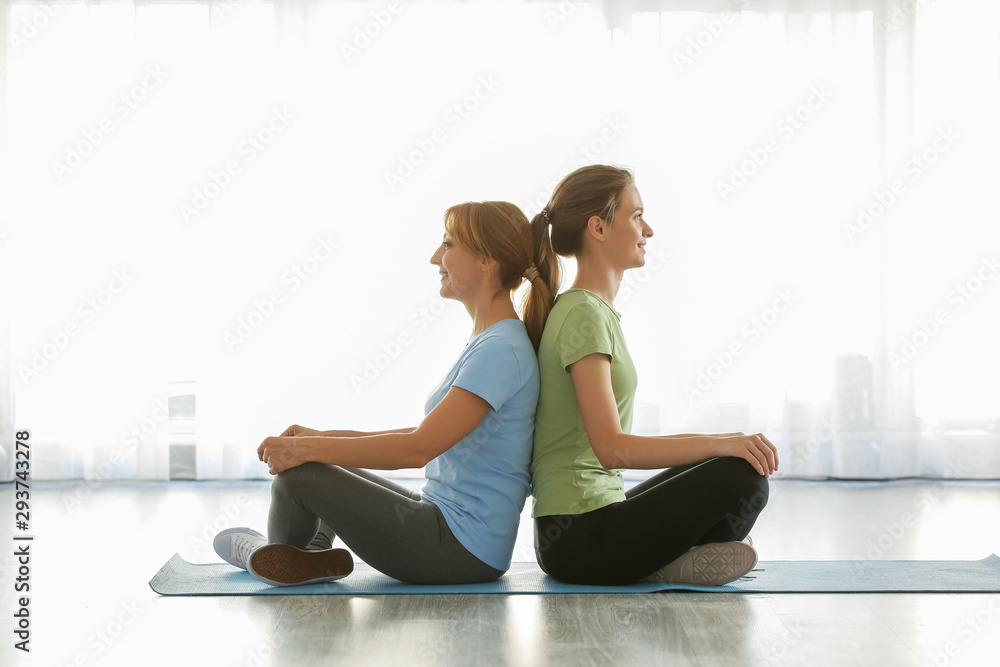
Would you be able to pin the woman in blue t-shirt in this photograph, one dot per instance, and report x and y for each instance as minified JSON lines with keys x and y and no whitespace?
{"x":475,"y":440}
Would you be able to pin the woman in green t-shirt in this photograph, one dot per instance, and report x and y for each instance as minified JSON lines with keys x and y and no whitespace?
{"x":686,"y":524}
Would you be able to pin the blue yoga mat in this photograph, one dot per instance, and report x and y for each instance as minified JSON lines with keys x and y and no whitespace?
{"x":179,"y":577}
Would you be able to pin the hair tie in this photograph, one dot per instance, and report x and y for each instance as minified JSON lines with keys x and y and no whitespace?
{"x":530,"y":273}
{"x":545,"y":214}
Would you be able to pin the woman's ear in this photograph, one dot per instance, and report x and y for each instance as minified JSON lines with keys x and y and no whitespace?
{"x":487,"y":264}
{"x":597,"y":228}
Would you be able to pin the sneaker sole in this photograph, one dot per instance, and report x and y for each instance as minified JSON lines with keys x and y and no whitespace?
{"x":285,"y":565}
{"x":710,"y":565}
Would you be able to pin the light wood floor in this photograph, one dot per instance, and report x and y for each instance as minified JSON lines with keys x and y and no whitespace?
{"x":93,"y":556}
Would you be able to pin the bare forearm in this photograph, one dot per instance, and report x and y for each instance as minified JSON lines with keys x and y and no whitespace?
{"x":621,"y":450}
{"x":361,"y":434}
{"x":451,"y":420}
{"x":692,"y":435}
{"x":649,"y":452}
{"x":390,"y":450}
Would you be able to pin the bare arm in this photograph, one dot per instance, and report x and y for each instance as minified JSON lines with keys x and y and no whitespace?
{"x":296,"y":431}
{"x":360,"y":434}
{"x":455,"y":417}
{"x":617,"y":449}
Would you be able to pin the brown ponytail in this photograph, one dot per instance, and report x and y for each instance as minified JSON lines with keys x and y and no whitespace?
{"x":540,"y":297}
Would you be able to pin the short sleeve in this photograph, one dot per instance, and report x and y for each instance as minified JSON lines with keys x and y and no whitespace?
{"x":490,"y":371}
{"x":584,"y":331}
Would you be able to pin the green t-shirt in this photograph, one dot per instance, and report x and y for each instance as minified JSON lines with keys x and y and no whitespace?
{"x":566,"y":477}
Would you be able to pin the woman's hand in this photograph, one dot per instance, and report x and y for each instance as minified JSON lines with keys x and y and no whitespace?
{"x":282,"y":453}
{"x":756,"y":449}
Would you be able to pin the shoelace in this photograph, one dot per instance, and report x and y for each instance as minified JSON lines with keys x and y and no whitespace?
{"x":244,"y":549}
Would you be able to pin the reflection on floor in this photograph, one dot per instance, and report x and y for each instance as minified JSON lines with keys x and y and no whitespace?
{"x":96,"y":548}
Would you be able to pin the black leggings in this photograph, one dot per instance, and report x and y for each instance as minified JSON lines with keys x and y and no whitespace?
{"x":714,"y":501}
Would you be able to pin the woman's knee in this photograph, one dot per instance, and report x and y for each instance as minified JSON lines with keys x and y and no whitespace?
{"x":285,"y":482}
{"x":749,"y":487}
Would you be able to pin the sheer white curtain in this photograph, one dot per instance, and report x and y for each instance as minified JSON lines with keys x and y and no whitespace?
{"x":218,"y":218}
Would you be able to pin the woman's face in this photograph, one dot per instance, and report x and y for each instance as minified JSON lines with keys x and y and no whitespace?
{"x":628,"y":232}
{"x":461,"y":271}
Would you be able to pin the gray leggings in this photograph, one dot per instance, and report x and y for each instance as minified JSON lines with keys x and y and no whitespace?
{"x":387,"y":525}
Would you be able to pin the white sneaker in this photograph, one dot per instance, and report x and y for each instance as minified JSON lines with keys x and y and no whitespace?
{"x":285,"y":565}
{"x":236,"y":545}
{"x":711,"y":564}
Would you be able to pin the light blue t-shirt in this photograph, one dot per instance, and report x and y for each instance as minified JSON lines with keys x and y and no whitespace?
{"x":481,"y":483}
